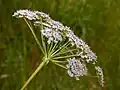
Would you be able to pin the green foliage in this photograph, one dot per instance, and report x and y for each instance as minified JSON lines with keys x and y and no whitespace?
{"x":96,"y":21}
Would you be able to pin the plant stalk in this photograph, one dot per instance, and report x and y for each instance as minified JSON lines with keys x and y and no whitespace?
{"x":34,"y":74}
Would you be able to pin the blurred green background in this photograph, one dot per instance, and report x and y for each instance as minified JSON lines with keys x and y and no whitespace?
{"x":95,"y":21}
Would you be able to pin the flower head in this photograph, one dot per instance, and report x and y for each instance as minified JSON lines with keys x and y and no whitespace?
{"x":76,"y":68}
{"x":54,"y":31}
{"x":30,"y":15}
{"x":51,"y":35}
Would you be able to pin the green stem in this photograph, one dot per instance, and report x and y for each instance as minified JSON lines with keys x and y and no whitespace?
{"x":56,"y":61}
{"x":47,"y":25}
{"x":66,"y":51}
{"x":65,"y":56}
{"x":50,"y":48}
{"x":54,"y":47}
{"x":66,"y":44}
{"x":34,"y":74}
{"x":43,"y":42}
{"x":34,"y":35}
{"x":60,"y":65}
{"x":24,"y":63}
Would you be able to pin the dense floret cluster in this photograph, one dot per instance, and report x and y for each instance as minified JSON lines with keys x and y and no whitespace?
{"x":76,"y":68}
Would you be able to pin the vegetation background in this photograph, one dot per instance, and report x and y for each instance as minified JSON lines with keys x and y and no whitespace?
{"x":95,"y":21}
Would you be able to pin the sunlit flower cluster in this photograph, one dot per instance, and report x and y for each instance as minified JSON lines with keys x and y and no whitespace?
{"x":54,"y":31}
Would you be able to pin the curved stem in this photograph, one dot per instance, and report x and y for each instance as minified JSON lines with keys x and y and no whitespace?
{"x":34,"y":74}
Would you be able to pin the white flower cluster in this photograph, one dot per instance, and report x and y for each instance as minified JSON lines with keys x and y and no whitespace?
{"x":100,"y":74}
{"x":42,"y":15}
{"x":55,"y":24}
{"x":76,"y":68}
{"x":27,"y":14}
{"x":55,"y":31}
{"x":52,"y":35}
{"x":85,"y":53}
{"x":31,"y":15}
{"x":90,"y":56}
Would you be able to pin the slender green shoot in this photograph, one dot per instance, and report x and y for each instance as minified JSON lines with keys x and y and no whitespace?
{"x":53,"y":49}
{"x":59,"y":61}
{"x":50,"y":48}
{"x":34,"y":74}
{"x":65,"y":45}
{"x":65,"y":52}
{"x":43,"y":42}
{"x":59,"y":65}
{"x":62,"y":57}
{"x":34,"y":35}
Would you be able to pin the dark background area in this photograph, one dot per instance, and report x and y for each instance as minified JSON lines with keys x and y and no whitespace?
{"x":95,"y":21}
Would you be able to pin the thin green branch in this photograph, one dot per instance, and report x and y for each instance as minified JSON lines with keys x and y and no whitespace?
{"x":43,"y":42}
{"x":34,"y":35}
{"x":56,"y":61}
{"x":47,"y":25}
{"x":65,"y":57}
{"x":70,"y":51}
{"x":66,"y":51}
{"x":59,"y":65}
{"x":52,"y":50}
{"x":65,"y":45}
